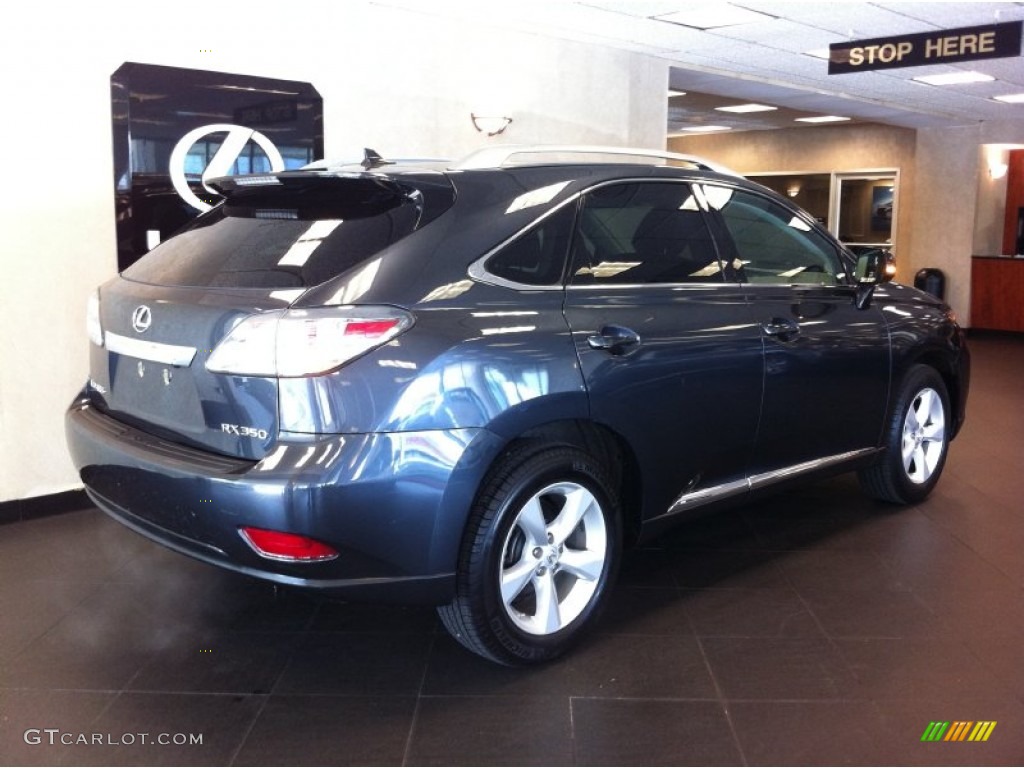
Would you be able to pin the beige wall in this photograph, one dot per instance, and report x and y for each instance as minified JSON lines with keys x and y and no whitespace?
{"x":997,"y":140}
{"x":990,"y":210}
{"x":944,"y":213}
{"x":399,"y":81}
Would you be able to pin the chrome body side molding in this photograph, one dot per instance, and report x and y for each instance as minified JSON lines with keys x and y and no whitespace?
{"x":695,"y":499}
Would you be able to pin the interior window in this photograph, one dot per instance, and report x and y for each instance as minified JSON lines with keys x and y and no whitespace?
{"x":642,"y":233}
{"x":537,"y":257}
{"x":764,"y":242}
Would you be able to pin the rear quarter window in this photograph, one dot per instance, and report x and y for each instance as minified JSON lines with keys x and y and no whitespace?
{"x":537,"y":257}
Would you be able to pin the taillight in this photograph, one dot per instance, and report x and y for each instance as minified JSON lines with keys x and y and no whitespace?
{"x":278,"y":545}
{"x":93,"y":326}
{"x":305,"y":342}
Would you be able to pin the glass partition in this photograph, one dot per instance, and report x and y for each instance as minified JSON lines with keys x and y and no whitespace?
{"x":810,"y":191}
{"x":858,"y":207}
{"x":866,"y":210}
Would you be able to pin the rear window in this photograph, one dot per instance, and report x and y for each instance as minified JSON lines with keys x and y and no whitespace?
{"x":293,"y":236}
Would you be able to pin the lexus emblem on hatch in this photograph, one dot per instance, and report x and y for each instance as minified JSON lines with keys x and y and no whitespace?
{"x":142,"y":317}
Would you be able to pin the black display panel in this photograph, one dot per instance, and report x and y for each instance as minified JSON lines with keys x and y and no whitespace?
{"x":174,"y":128}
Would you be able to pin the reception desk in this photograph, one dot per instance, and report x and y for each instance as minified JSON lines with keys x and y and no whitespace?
{"x":997,"y":293}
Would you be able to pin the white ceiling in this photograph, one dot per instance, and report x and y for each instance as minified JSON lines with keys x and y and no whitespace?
{"x":765,"y":61}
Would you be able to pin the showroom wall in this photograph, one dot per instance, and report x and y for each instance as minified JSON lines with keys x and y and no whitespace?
{"x":944,"y":215}
{"x":395,"y":80}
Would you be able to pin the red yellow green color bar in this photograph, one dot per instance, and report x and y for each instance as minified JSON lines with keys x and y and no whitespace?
{"x":959,"y":730}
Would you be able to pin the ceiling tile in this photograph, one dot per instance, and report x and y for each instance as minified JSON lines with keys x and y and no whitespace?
{"x":764,"y":62}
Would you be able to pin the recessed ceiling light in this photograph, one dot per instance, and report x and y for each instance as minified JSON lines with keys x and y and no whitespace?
{"x":954,"y":78}
{"x":672,"y":92}
{"x":744,"y":108}
{"x":822,"y":119}
{"x":706,"y":128}
{"x":713,"y":16}
{"x":1011,"y":98}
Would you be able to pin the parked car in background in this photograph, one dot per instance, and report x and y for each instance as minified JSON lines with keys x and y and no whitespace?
{"x":473,"y":384}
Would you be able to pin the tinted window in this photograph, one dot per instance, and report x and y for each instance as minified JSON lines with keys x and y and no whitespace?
{"x":641,"y":234}
{"x":767,"y":243}
{"x":537,"y":257}
{"x":290,"y":238}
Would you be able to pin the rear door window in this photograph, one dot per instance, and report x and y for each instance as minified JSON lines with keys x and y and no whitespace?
{"x":643,"y":233}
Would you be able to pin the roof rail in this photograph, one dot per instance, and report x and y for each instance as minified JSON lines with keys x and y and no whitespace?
{"x":503,"y":156}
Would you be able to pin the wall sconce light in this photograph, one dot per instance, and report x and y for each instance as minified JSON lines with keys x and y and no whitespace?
{"x":793,"y":190}
{"x":997,"y":158}
{"x":492,"y":126}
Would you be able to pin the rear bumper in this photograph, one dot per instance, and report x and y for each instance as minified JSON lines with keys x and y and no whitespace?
{"x":393,"y":505}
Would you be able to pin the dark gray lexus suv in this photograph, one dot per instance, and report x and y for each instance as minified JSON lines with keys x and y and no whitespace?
{"x":473,"y":384}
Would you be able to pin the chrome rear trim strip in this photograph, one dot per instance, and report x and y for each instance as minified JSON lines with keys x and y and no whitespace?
{"x":695,"y":499}
{"x":154,"y":351}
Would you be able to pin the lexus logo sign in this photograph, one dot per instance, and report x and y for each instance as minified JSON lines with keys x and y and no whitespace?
{"x":230,"y":150}
{"x":142,"y":318}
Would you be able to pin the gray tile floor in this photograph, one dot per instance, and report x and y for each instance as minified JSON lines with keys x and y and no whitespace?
{"x":811,"y":628}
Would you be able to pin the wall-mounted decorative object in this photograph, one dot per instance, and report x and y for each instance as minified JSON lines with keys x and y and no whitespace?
{"x":491,"y":125}
{"x":174,"y":129}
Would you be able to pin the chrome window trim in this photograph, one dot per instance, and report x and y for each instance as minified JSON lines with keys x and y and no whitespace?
{"x":152,"y":351}
{"x":655,"y":286}
{"x":478,"y":270}
{"x":695,"y":499}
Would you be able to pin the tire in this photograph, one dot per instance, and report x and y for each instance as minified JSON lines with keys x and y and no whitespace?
{"x":916,"y":441}
{"x":540,"y":553}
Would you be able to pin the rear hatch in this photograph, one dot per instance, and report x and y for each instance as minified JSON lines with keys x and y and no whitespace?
{"x":239,"y":267}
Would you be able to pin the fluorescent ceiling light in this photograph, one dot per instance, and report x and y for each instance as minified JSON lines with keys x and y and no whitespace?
{"x":672,"y":92}
{"x":705,"y":128}
{"x":1011,"y":98}
{"x":822,"y":119}
{"x":954,"y":78}
{"x":819,"y":53}
{"x":711,"y":17}
{"x":744,"y":108}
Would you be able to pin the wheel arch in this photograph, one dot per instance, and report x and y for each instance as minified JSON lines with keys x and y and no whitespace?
{"x":487,"y":449}
{"x":613,"y":451}
{"x":943,"y":362}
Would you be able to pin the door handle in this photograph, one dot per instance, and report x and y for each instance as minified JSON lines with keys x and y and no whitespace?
{"x":614,"y":339}
{"x":781,"y":327}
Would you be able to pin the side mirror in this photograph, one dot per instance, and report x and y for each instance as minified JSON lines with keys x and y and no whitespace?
{"x":874,"y":267}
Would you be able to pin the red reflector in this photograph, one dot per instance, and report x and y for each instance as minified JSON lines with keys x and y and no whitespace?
{"x":286,"y":546}
{"x":369,"y":327}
